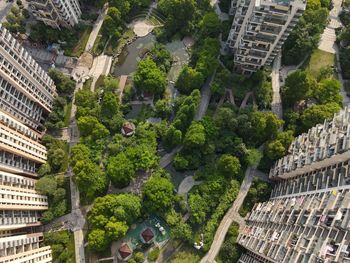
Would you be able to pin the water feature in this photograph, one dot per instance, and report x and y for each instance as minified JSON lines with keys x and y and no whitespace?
{"x":131,"y":55}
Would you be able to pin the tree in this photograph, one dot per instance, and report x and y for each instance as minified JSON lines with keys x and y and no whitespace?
{"x":317,"y":114}
{"x":112,"y":207}
{"x":299,"y":86}
{"x":97,"y":240}
{"x":120,"y":169}
{"x":195,"y":136}
{"x":149,"y":78}
{"x":46,"y":185}
{"x":210,"y":25}
{"x":163,"y":108}
{"x":275,"y":150}
{"x":178,"y":14}
{"x":199,"y":208}
{"x":189,"y":80}
{"x":85,"y":98}
{"x":180,"y":162}
{"x":116,"y":230}
{"x":64,"y":84}
{"x":90,"y":127}
{"x":158,"y":193}
{"x":328,"y":90}
{"x":182,"y":231}
{"x":109,"y":106}
{"x":173,"y":137}
{"x":228,"y":165}
{"x":90,"y":179}
{"x":139,"y":257}
{"x":56,"y":158}
{"x":79,"y":152}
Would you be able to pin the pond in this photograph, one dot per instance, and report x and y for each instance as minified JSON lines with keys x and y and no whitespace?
{"x":131,"y":55}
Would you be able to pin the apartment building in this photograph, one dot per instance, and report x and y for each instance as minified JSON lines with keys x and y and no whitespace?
{"x":307,"y":218}
{"x":20,"y":204}
{"x":259,"y":29}
{"x":24,"y":248}
{"x":56,"y":13}
{"x":26,"y":91}
{"x":27,"y":95}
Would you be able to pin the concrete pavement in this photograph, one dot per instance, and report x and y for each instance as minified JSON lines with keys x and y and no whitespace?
{"x":5,"y":8}
{"x":276,"y":105}
{"x":95,"y":30}
{"x":232,"y":214}
{"x":205,"y":98}
{"x":328,"y":38}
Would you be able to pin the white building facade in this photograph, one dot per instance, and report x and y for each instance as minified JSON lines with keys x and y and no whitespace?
{"x":56,"y":13}
{"x":259,"y":30}
{"x":307,"y":219}
{"x":27,"y":96}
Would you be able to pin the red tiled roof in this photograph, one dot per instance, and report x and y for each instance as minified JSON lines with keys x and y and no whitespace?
{"x":147,"y":235}
{"x":125,"y":251}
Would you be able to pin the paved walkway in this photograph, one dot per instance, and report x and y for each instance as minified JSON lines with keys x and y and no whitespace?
{"x":95,"y":30}
{"x":276,"y":105}
{"x":328,"y":38}
{"x":232,"y":215}
{"x":101,"y":66}
{"x":186,"y":185}
{"x":205,"y":98}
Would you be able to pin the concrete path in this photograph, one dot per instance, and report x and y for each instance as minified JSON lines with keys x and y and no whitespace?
{"x":276,"y":105}
{"x":245,"y":100}
{"x":328,"y":38}
{"x":5,"y":8}
{"x":205,"y":98}
{"x":231,"y":215}
{"x":101,"y":66}
{"x":95,"y":30}
{"x":186,"y":185}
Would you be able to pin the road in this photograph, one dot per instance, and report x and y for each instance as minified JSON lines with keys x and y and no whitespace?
{"x":232,"y":214}
{"x":5,"y":8}
{"x":95,"y":30}
{"x":276,"y":105}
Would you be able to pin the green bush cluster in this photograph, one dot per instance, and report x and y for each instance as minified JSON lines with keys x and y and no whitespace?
{"x":110,"y":218}
{"x":62,"y":245}
{"x":306,"y":34}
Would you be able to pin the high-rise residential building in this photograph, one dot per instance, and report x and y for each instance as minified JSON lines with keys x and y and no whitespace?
{"x":24,"y":248}
{"x":307,"y":218}
{"x":259,"y":30}
{"x":56,"y":13}
{"x":27,"y":95}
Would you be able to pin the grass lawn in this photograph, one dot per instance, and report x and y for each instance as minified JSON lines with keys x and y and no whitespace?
{"x":67,"y":112}
{"x":71,"y":248}
{"x":81,"y":44}
{"x":87,"y":84}
{"x":319,"y":59}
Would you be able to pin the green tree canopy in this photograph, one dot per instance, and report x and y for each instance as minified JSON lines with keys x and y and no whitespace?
{"x":158,"y":193}
{"x":120,"y":170}
{"x":228,"y":165}
{"x":149,"y":78}
{"x":299,"y":86}
{"x":189,"y":80}
{"x":195,"y":136}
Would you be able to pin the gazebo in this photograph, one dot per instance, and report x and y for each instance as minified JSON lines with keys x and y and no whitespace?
{"x":147,"y":236}
{"x":125,"y":252}
{"x":128,"y":129}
